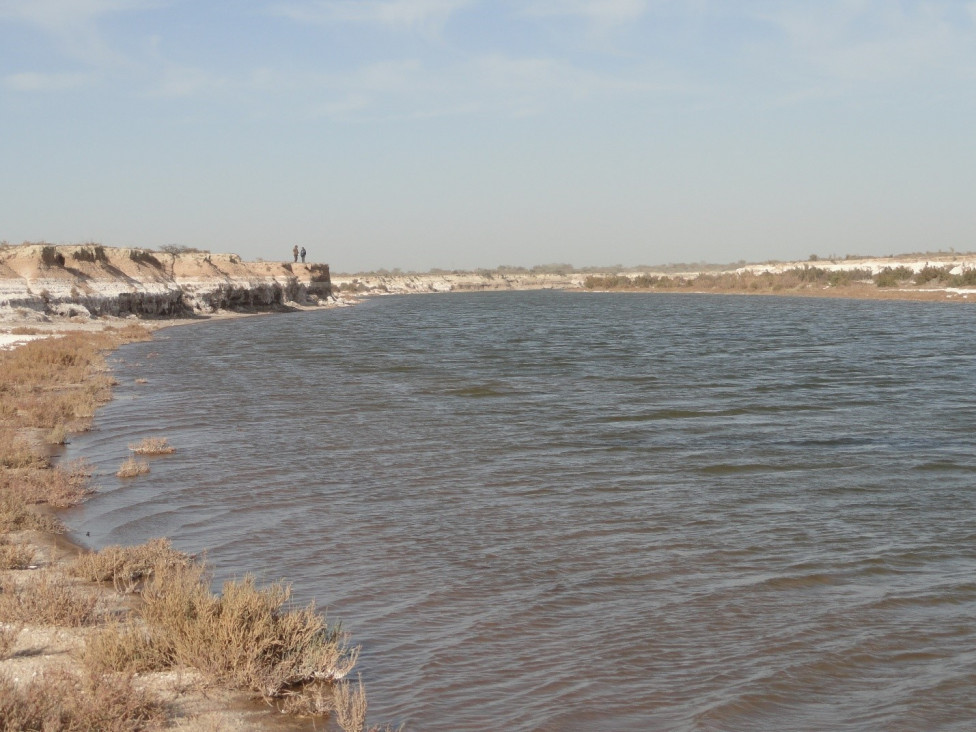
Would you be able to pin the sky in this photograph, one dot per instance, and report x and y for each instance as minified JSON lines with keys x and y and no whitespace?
{"x":462,"y":134}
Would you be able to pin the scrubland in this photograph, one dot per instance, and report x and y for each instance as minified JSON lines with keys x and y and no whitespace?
{"x":900,"y":281}
{"x":132,"y":638}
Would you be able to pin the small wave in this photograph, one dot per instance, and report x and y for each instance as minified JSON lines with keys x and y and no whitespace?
{"x":476,"y":392}
{"x":735,"y":468}
{"x":798,"y":582}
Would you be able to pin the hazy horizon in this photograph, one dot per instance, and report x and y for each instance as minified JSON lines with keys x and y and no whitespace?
{"x":459,"y":134}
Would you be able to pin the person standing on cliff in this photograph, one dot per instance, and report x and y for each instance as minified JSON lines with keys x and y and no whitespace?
{"x":303,"y":255}
{"x":295,"y":252}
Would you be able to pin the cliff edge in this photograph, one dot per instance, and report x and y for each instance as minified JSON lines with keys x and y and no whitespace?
{"x":92,"y":280}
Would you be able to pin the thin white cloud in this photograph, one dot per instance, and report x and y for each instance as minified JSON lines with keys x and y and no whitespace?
{"x":31,"y":81}
{"x":600,"y":12}
{"x":183,"y":81}
{"x":60,"y":14}
{"x":426,"y":15}
{"x":873,"y":40}
{"x":548,"y":76}
{"x":73,"y":24}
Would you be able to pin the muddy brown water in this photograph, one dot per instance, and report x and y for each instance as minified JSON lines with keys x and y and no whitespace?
{"x":549,"y":511}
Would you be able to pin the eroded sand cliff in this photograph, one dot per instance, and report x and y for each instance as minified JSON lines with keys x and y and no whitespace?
{"x":91,"y":280}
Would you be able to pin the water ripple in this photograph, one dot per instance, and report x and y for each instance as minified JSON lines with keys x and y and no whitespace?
{"x":541,"y":511}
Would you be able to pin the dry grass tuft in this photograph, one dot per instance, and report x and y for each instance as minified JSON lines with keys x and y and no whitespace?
{"x":123,"y":647}
{"x":131,"y":467}
{"x":8,"y":638}
{"x":48,"y":600}
{"x":15,"y":452}
{"x":126,"y":566}
{"x":153,"y":446}
{"x":350,"y":706}
{"x":61,"y":486}
{"x":62,"y":701}
{"x":15,"y":556}
{"x":15,"y":515}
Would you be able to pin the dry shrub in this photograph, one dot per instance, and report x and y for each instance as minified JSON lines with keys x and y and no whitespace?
{"x":60,"y":380}
{"x":15,"y":555}
{"x":58,"y":435}
{"x":129,"y":333}
{"x":62,"y":486}
{"x":25,"y":330}
{"x":59,"y":700}
{"x":312,"y":700}
{"x":123,"y":647}
{"x":8,"y":638}
{"x":15,"y":452}
{"x":350,"y":706}
{"x":244,"y":637}
{"x":15,"y":515}
{"x":153,"y":446}
{"x":131,"y":467}
{"x":126,"y":566}
{"x":49,"y":599}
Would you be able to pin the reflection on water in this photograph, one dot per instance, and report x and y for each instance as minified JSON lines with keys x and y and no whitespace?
{"x":546,"y":511}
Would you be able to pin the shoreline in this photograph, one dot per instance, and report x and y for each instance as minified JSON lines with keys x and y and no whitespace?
{"x":42,"y":650}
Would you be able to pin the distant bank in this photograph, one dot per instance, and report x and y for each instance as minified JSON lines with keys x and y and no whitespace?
{"x":938,"y":276}
{"x":42,"y":282}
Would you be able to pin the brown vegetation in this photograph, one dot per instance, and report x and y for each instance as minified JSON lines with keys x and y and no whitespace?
{"x":245,"y":638}
{"x":60,"y":700}
{"x":793,"y":280}
{"x":15,"y":555}
{"x":153,"y":446}
{"x":131,"y":467}
{"x":48,"y":599}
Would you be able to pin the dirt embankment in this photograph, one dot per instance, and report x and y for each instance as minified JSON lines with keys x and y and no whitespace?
{"x":92,"y":280}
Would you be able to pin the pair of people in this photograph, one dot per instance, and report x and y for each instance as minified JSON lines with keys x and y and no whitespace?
{"x":296,"y":252}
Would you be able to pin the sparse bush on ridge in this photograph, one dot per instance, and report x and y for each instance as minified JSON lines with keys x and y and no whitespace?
{"x":144,"y":257}
{"x":929,"y":273}
{"x":893,"y":276}
{"x":94,"y":253}
{"x":966,"y":279}
{"x":180,"y":249}
{"x":51,"y":257}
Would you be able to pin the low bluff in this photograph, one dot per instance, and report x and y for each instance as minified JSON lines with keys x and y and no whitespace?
{"x":92,"y":280}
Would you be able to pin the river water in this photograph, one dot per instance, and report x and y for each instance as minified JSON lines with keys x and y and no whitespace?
{"x":555,"y":511}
